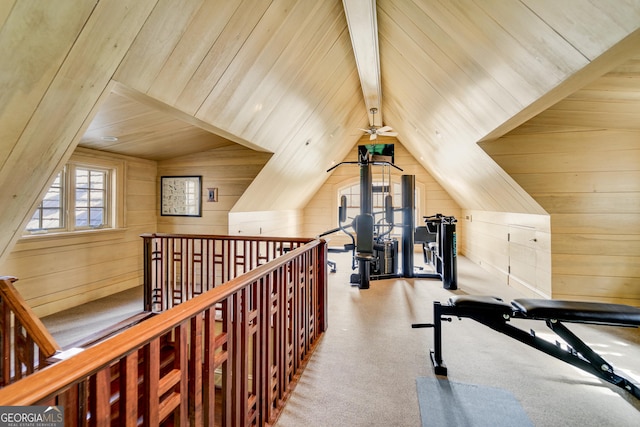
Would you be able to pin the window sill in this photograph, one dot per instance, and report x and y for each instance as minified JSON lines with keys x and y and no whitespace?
{"x":68,"y":238}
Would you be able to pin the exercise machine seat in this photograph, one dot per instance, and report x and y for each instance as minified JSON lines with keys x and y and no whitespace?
{"x":578,"y":311}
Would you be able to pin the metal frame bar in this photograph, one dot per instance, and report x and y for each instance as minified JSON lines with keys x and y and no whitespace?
{"x":577,"y":353}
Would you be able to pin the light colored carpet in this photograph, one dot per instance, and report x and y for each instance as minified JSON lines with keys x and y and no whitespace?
{"x":75,"y":324}
{"x":364,"y":370}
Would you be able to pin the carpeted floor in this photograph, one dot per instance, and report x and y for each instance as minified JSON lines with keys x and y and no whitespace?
{"x":76,"y":324}
{"x":364,"y":371}
{"x":365,"y":368}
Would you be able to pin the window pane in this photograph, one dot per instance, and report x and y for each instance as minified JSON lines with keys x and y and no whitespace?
{"x":96,"y":216}
{"x":51,"y":218}
{"x":97,"y":198}
{"x":91,"y":197}
{"x":97,"y":179}
{"x":82,"y":217}
{"x":82,"y":178}
{"x":48,"y":215}
{"x":82,"y":198}
{"x":34,"y":223}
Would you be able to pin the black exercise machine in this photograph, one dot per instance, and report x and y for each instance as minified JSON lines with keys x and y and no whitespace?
{"x":374,"y":250}
{"x":441,"y":251}
{"x":496,"y":314}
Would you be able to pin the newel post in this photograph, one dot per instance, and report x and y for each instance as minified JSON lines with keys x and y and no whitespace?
{"x":322,"y":288}
{"x":147,"y":277}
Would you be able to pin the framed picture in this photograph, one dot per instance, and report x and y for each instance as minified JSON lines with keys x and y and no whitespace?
{"x":181,"y":196}
{"x":213,"y":194}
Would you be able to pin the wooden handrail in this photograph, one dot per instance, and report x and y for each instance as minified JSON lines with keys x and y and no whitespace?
{"x":24,"y":341}
{"x":287,"y":293}
{"x":302,"y":240}
{"x":180,"y":266}
{"x":28,"y":319}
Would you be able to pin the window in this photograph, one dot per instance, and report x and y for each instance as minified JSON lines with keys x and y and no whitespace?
{"x":352,"y":193}
{"x":90,"y":197}
{"x":82,"y":197}
{"x":49,"y":215}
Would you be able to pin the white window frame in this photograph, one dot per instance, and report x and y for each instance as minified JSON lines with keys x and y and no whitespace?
{"x":113,"y":209}
{"x":396,"y":197}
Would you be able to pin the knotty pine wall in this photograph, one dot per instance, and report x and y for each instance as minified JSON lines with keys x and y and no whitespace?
{"x":515,"y":248}
{"x":589,"y":181}
{"x":230,"y":169}
{"x":57,"y":272}
{"x":581,"y":161}
{"x":321,"y":213}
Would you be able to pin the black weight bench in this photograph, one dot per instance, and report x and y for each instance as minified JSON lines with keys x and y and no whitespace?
{"x":496,"y":314}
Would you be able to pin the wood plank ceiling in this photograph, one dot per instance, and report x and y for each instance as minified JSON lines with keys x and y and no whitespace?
{"x":280,"y":76}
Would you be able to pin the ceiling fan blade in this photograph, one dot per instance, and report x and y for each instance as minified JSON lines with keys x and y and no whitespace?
{"x":365,"y":130}
{"x":385,"y":129}
{"x":388,"y":133}
{"x":373,"y":136}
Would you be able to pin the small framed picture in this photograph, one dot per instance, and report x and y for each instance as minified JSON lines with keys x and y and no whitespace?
{"x":213,"y":194}
{"x":181,"y":195}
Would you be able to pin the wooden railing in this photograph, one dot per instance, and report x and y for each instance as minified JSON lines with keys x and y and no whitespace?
{"x":178,"y":267}
{"x":25,"y":342}
{"x":227,"y":357}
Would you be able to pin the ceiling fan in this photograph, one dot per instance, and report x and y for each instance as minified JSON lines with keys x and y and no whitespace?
{"x":373,"y":131}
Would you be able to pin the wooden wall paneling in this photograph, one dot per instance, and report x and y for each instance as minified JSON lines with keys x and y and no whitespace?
{"x":303,"y":164}
{"x":594,"y":245}
{"x":545,"y":49}
{"x":280,"y":34}
{"x":301,"y":64}
{"x":608,"y":223}
{"x":593,"y":29}
{"x":479,"y":181}
{"x":28,"y":68}
{"x":155,"y":42}
{"x":503,"y":244}
{"x":60,"y":272}
{"x":578,"y":182}
{"x":475,"y":32}
{"x":312,"y":94}
{"x":603,"y":265}
{"x":581,"y":161}
{"x":79,"y":279}
{"x":585,"y":171}
{"x":199,"y":37}
{"x":537,"y":138}
{"x":617,"y":290}
{"x":5,"y":10}
{"x":404,"y":34}
{"x":230,"y":169}
{"x":285,"y":223}
{"x":523,"y":259}
{"x":49,"y":137}
{"x":226,"y":47}
{"x":41,"y":263}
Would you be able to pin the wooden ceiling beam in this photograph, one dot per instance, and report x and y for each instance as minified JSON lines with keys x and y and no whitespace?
{"x":363,"y":28}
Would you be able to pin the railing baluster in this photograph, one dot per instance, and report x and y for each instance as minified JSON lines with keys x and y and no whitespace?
{"x":228,"y":357}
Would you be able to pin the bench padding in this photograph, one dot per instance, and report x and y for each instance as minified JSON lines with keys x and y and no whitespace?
{"x":578,"y":311}
{"x":481,"y":302}
{"x":497,"y":315}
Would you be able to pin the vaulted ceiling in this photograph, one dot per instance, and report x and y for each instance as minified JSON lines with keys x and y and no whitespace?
{"x":169,"y":78}
{"x":281,"y":76}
